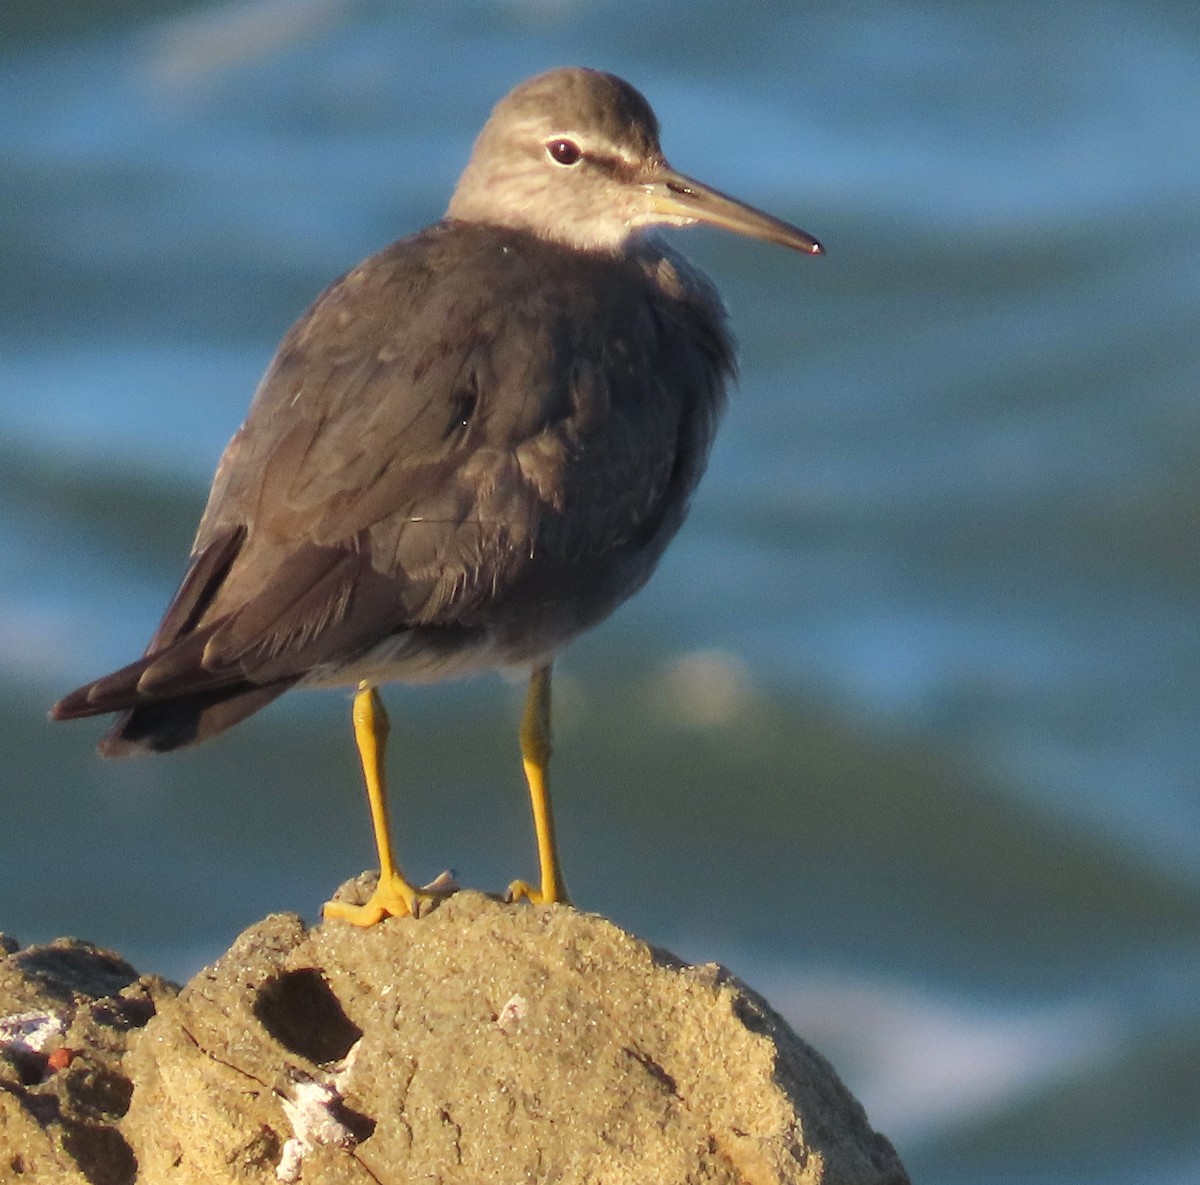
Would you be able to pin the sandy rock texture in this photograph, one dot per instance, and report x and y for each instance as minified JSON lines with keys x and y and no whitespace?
{"x":67,"y":1012}
{"x":482,"y":1043}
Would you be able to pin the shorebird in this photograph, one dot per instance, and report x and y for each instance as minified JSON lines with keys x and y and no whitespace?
{"x":470,"y":449}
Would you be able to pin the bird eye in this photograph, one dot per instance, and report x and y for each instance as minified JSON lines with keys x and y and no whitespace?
{"x":564,"y":152}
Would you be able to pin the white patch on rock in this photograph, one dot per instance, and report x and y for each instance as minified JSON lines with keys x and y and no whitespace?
{"x":310,"y":1111}
{"x":29,"y":1032}
{"x":511,"y":1015}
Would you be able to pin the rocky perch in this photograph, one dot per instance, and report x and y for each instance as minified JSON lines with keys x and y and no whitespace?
{"x":483,"y":1043}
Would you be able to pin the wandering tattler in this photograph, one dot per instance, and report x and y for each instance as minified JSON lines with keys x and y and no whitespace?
{"x":470,"y":449}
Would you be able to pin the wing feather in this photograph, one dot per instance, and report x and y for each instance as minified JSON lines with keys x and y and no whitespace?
{"x":469,"y":421}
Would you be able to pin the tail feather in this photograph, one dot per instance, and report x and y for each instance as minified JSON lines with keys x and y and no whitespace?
{"x":176,"y":694}
{"x":159,"y":726}
{"x":112,"y":693}
{"x":169,"y":700}
{"x":174,"y":671}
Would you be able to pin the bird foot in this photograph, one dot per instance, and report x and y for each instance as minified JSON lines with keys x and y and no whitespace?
{"x":551,"y":895}
{"x":393,"y":897}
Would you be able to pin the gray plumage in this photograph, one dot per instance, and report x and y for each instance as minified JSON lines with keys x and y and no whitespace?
{"x":472,"y":447}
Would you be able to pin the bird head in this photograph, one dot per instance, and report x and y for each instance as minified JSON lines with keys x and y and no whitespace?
{"x":573,"y":156}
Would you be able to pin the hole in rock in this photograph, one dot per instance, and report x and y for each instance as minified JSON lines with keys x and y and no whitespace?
{"x":101,"y":1154}
{"x":98,"y":1091}
{"x":301,"y":1012}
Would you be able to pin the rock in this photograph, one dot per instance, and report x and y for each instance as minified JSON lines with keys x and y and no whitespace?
{"x":483,"y":1043}
{"x":67,"y":1011}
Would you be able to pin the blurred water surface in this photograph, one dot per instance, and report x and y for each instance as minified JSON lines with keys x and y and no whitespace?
{"x":904,"y":730}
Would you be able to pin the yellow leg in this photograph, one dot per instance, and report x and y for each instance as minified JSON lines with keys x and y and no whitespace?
{"x":394,"y":896}
{"x":535,"y":753}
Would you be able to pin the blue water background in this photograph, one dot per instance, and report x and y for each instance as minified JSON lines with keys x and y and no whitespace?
{"x":905,"y":730}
